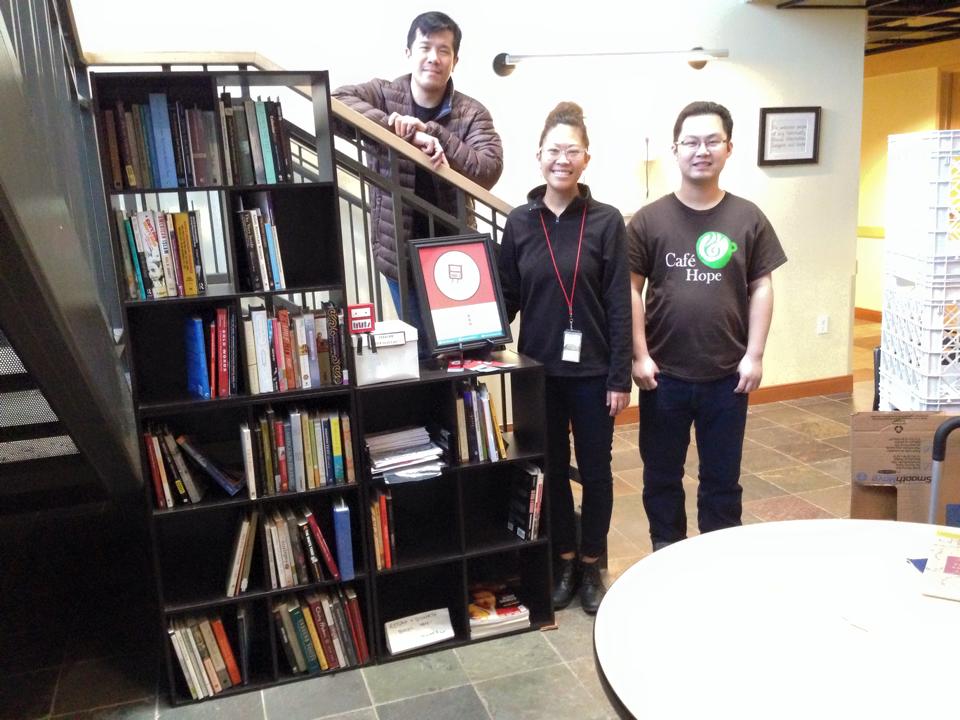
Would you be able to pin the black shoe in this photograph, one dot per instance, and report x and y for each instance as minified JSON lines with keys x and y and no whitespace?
{"x":565,"y":584}
{"x":591,"y":587}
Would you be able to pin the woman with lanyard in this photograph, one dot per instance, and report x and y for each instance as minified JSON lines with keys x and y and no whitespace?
{"x":563,"y":267}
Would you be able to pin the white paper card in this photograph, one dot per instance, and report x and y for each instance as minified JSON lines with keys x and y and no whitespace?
{"x":420,"y":630}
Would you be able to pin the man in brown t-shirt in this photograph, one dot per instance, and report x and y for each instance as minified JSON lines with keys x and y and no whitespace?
{"x":705,"y":258}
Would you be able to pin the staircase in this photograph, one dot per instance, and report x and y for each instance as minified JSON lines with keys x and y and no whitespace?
{"x":40,"y":467}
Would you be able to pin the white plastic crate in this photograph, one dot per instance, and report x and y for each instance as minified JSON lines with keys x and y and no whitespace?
{"x":933,"y":271}
{"x":896,"y":395}
{"x":919,"y":350}
{"x":923,"y":194}
{"x":943,"y":288}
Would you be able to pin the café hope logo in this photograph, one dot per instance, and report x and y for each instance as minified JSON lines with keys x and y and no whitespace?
{"x":713,"y":249}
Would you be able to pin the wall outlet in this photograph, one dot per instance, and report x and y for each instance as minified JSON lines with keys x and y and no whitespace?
{"x":823,"y":324}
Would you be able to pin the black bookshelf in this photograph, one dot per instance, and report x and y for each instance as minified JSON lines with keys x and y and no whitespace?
{"x":451,"y":530}
{"x":193,"y":543}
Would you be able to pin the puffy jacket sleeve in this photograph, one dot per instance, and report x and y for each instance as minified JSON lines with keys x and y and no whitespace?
{"x":477,"y":151}
{"x":366,"y":98}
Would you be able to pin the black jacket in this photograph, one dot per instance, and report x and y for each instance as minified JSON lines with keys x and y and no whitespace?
{"x":601,"y":303}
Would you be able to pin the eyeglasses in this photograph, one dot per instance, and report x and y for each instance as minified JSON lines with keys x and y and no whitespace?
{"x":692,"y":144}
{"x":571,"y":153}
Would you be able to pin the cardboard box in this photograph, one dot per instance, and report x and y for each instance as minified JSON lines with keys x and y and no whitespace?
{"x":891,"y":455}
{"x":392,"y":354}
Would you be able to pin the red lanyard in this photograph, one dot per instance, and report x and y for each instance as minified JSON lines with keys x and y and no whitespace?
{"x":576,"y":269}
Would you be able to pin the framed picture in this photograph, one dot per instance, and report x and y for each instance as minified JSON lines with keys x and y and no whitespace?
{"x":461,"y":302}
{"x":789,"y":136}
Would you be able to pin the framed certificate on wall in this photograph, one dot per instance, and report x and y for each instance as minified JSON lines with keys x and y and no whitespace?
{"x":789,"y":136}
{"x":459,"y":292}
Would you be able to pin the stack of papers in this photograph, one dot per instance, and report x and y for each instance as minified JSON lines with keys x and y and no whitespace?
{"x":494,"y":608}
{"x":404,"y":455}
{"x":498,"y":621}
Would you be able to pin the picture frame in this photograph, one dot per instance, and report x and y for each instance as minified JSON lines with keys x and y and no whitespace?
{"x":789,"y":136}
{"x":458,"y":288}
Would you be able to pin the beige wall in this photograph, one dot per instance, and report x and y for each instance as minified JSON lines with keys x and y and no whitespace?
{"x":812,"y":207}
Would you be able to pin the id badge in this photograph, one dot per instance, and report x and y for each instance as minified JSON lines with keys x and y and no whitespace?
{"x":572,"y":340}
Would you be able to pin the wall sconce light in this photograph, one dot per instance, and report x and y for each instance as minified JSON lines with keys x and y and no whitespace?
{"x":505,"y":63}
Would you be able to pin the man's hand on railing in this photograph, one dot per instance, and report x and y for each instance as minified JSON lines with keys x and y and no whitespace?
{"x":405,"y":125}
{"x":432,"y":147}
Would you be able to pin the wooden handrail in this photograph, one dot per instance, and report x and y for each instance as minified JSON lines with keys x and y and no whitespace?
{"x":340,"y":110}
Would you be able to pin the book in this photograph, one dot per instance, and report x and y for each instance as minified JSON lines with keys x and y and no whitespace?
{"x":236,"y":562}
{"x":210,"y":123}
{"x":170,"y":480}
{"x":184,"y":662}
{"x":198,"y":373}
{"x":243,"y":637}
{"x":113,"y":149}
{"x":223,"y":353}
{"x":136,"y":259}
{"x":941,"y":576}
{"x":168,"y":471}
{"x":128,"y":172}
{"x":266,"y":148}
{"x":310,"y":549}
{"x":145,"y":129}
{"x":133,"y":150}
{"x":194,"y":216}
{"x":323,"y":630}
{"x":177,"y":137}
{"x":192,"y":653}
{"x":242,"y":138}
{"x":296,"y":547}
{"x":194,"y":490}
{"x":161,"y":491}
{"x":321,"y":542}
{"x":356,"y":621}
{"x":339,"y":612}
{"x":226,"y":651}
{"x":224,"y":133}
{"x":304,"y":640}
{"x":419,"y":630}
{"x":145,"y":225}
{"x":249,"y":464}
{"x":230,"y":485}
{"x":213,"y":648}
{"x":333,"y":343}
{"x":314,"y":634}
{"x":204,"y":652}
{"x":343,"y":536}
{"x":248,"y":552}
{"x":286,"y":635}
{"x":253,"y":133}
{"x":377,"y":531}
{"x":163,"y":140}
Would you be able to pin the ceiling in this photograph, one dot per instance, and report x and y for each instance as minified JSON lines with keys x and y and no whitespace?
{"x":895,"y":24}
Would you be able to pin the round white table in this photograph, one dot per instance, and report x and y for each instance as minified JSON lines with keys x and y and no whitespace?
{"x":799,"y":619}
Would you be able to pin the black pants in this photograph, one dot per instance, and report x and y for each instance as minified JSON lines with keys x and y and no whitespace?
{"x":719,"y":416}
{"x":582,"y":403}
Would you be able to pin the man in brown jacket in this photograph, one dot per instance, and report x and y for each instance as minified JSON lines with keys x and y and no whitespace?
{"x":448,"y":126}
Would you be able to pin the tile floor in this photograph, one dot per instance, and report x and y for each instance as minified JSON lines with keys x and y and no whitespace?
{"x":69,"y":637}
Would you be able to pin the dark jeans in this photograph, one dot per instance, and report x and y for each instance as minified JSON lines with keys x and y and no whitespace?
{"x":581,"y":402}
{"x":719,"y":416}
{"x":411,"y":312}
